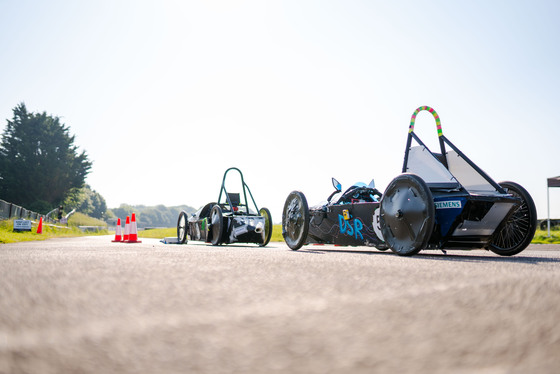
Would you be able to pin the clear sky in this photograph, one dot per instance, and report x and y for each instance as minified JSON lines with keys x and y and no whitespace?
{"x":165,"y":95}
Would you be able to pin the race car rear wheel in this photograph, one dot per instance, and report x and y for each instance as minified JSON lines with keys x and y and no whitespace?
{"x":264,"y":212}
{"x":182,"y":227}
{"x":518,"y":231}
{"x":295,"y":220}
{"x":407,"y":214}
{"x":217,"y":228}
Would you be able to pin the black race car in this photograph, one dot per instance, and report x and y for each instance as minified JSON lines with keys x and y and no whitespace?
{"x":349,"y":218}
{"x":229,"y":220}
{"x":441,"y":201}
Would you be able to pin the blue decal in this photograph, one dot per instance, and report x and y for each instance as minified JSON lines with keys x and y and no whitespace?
{"x":346,"y":227}
{"x":358,"y":225}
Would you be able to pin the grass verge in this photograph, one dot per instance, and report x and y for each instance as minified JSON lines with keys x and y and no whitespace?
{"x":541,"y":237}
{"x":158,"y":233}
{"x":172,"y":232}
{"x":8,"y":235}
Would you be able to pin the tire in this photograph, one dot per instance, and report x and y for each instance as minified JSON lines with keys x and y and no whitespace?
{"x":264,"y":212}
{"x":518,"y":231}
{"x":217,"y":222}
{"x":295,"y":220}
{"x":182,"y":227}
{"x":382,"y":247}
{"x":407,"y":214}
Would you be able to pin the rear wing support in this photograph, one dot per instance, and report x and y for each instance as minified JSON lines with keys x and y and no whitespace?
{"x":442,"y":142}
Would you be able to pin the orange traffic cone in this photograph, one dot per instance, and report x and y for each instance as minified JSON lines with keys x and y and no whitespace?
{"x":126,"y":229}
{"x":133,"y":235}
{"x":118,"y":234}
{"x":40,"y":227}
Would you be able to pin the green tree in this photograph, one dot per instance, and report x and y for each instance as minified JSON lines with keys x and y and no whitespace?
{"x":39,"y":163}
{"x":87,"y":201}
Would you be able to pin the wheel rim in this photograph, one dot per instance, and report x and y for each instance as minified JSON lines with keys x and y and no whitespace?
{"x":294,"y":223}
{"x":517,"y":226}
{"x":182,"y":228}
{"x":267,"y":225}
{"x":407,"y":214}
{"x":216,"y":225}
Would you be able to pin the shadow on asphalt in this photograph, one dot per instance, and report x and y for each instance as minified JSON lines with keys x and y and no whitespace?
{"x":465,"y":256}
{"x":470,"y":258}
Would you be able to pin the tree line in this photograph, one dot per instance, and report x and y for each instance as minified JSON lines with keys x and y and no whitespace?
{"x":40,"y":166}
{"x":150,"y":216}
{"x":41,"y":169}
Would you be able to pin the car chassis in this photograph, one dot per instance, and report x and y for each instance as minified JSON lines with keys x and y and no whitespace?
{"x":227,"y":221}
{"x":441,"y":201}
{"x":347,"y":218}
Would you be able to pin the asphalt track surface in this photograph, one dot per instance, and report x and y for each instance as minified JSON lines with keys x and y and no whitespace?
{"x":87,"y":305}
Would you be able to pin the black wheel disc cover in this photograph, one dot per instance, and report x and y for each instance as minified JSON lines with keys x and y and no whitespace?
{"x":407,"y":214}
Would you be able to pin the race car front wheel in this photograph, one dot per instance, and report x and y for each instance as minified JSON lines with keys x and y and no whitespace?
{"x":407,"y":214}
{"x":518,"y":231}
{"x":217,"y":228}
{"x":295,"y":220}
{"x":264,"y":212}
{"x":182,"y":227}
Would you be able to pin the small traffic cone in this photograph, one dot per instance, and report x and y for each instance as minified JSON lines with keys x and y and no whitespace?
{"x":126,"y":229}
{"x":40,"y":227}
{"x":118,"y":234}
{"x":133,"y":235}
